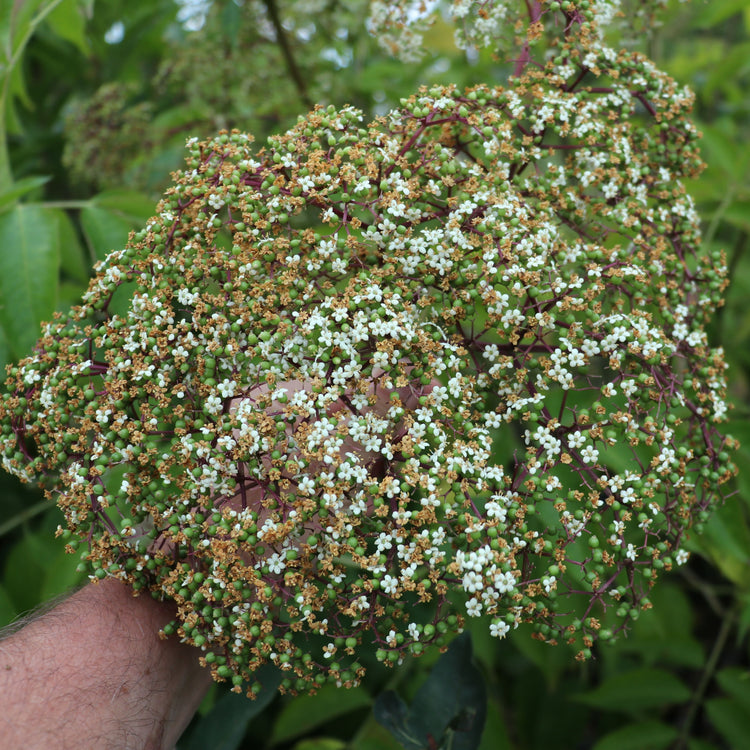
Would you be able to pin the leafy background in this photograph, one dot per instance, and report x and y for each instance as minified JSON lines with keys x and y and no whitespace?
{"x":96,"y":100}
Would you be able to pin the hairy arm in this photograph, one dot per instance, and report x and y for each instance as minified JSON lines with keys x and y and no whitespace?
{"x":93,"y":673}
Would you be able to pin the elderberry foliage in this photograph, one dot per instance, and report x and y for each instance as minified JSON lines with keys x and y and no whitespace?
{"x":351,"y":388}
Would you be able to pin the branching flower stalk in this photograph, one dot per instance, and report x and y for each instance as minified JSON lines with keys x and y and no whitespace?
{"x":290,"y":404}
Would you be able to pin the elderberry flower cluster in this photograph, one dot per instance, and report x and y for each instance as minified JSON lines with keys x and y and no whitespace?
{"x":503,"y":25}
{"x":352,"y":388}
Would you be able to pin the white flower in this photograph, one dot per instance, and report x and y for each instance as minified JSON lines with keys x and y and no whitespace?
{"x":499,"y":629}
{"x":589,"y":454}
{"x":389,"y":584}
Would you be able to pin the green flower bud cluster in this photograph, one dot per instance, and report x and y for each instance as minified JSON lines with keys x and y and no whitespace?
{"x":105,"y":134}
{"x":113,"y":137}
{"x":345,"y":391}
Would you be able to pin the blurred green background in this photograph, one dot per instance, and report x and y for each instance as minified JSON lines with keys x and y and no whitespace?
{"x":96,"y":101}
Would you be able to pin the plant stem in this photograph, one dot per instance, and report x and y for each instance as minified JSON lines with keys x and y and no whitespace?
{"x":66,"y":204}
{"x":24,"y":516}
{"x":12,"y":55}
{"x":718,"y":215}
{"x":706,"y":676}
{"x":286,"y":50}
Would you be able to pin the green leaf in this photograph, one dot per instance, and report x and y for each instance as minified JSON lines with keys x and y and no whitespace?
{"x":394,"y":715}
{"x":29,"y":267}
{"x":73,"y":261}
{"x":111,"y":216}
{"x":551,"y":661}
{"x":450,"y":708}
{"x":61,"y":575}
{"x":736,"y":682}
{"x":231,"y":22}
{"x":15,"y":19}
{"x":736,"y":214}
{"x":696,"y":744}
{"x":5,"y":357}
{"x":20,"y":188}
{"x":729,"y":68}
{"x":731,"y":719}
{"x":128,"y":203}
{"x":744,"y":618}
{"x":664,"y":632}
{"x":224,"y":726}
{"x":68,"y":22}
{"x":637,"y":690}
{"x":645,"y":735}
{"x":69,"y":294}
{"x":18,"y":20}
{"x":8,"y":611}
{"x":720,"y":154}
{"x":320,"y":743}
{"x":495,"y":735}
{"x":373,"y":736}
{"x":310,"y":711}
{"x":25,"y":569}
{"x":726,"y":541}
{"x":713,"y":13}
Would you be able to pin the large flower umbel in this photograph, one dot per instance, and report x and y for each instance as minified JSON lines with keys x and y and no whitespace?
{"x":370,"y":380}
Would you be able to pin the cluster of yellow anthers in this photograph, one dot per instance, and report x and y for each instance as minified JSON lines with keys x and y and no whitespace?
{"x":348,"y":390}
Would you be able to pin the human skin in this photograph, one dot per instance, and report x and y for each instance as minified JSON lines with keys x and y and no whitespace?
{"x":93,"y":673}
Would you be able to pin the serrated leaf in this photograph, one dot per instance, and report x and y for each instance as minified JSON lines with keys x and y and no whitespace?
{"x":454,"y":696}
{"x":696,"y":744}
{"x":645,"y":735}
{"x":73,"y":261}
{"x":109,"y":218}
{"x":5,"y":357}
{"x":25,"y":569}
{"x":309,"y":711}
{"x":664,"y":632}
{"x":373,"y":736}
{"x":726,"y":541}
{"x":713,"y":13}
{"x":8,"y":611}
{"x":17,"y":22}
{"x":320,"y":743}
{"x":736,"y":682}
{"x":67,"y":21}
{"x":636,"y":691}
{"x":552,"y":662}
{"x":449,"y":709}
{"x":60,"y":575}
{"x":224,"y":726}
{"x":231,"y":22}
{"x":105,"y":231}
{"x":127,"y":203}
{"x":731,"y":719}
{"x":29,"y":267}
{"x":718,"y":151}
{"x":737,"y":215}
{"x":744,"y":618}
{"x":19,"y":189}
{"x":495,"y":735}
{"x":69,"y":293}
{"x":729,"y":68}
{"x":391,"y":712}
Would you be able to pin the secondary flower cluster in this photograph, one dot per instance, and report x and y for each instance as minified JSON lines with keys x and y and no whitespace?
{"x":504,"y":25}
{"x":374,"y":379}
